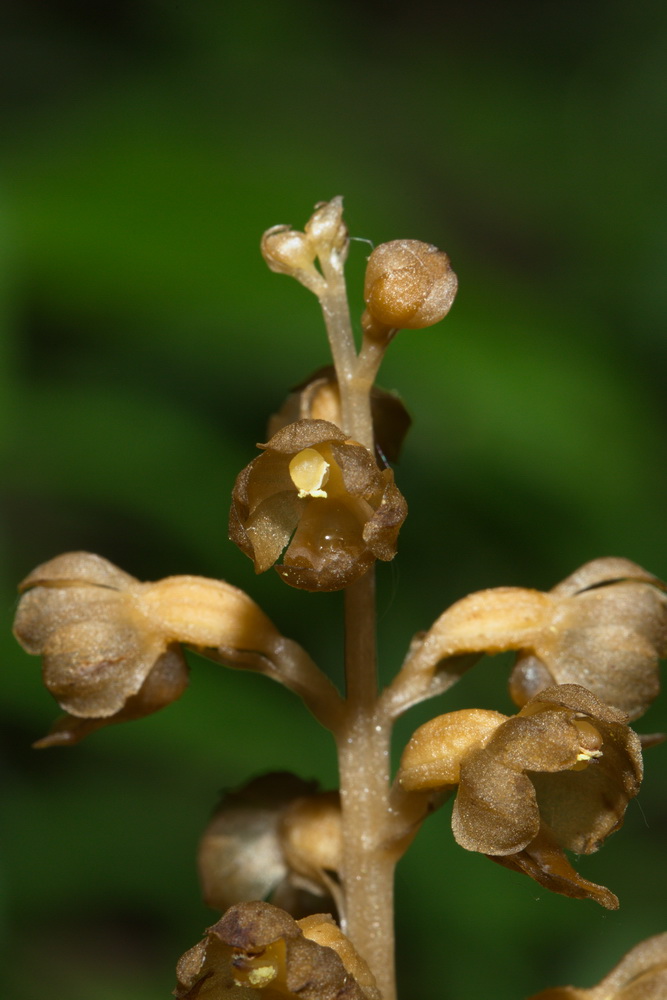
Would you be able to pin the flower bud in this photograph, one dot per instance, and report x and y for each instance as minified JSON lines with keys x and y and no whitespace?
{"x":409,"y":285}
{"x":327,"y":229}
{"x":286,"y":250}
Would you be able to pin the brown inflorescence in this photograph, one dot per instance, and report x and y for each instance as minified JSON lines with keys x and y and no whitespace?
{"x":320,"y":499}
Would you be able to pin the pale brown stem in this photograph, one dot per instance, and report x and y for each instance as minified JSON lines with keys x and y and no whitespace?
{"x":336,"y":312}
{"x":370,"y":847}
{"x":289,"y":664}
{"x":412,"y":685}
{"x":363,"y":752}
{"x":355,"y":374}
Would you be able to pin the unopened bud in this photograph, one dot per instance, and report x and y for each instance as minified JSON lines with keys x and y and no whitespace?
{"x":286,"y":250}
{"x":326,"y":227}
{"x":409,"y":285}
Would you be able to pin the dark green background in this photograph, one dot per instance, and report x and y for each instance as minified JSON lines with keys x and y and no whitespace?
{"x":145,"y":147}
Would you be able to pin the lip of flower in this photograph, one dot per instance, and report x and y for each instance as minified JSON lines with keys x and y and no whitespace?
{"x":319,"y":500}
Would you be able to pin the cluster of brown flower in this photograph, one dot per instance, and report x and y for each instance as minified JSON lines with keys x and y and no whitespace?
{"x":322,"y":508}
{"x":558,"y":775}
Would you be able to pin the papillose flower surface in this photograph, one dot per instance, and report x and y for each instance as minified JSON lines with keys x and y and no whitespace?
{"x":557,"y":775}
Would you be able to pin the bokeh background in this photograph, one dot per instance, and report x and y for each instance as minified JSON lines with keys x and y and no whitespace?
{"x":145,"y":147}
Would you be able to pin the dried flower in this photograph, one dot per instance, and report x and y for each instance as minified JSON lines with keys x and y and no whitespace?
{"x":322,"y":499}
{"x":557,"y":775}
{"x":257,"y":947}
{"x":409,"y":285}
{"x":110,"y":644}
{"x":640,"y":975}
{"x":277,"y":838}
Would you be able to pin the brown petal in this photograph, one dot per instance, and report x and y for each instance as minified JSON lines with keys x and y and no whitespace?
{"x":611,"y":569}
{"x":381,"y":530}
{"x":495,"y":811}
{"x":322,"y":928}
{"x":545,"y":740}
{"x":303,"y":434}
{"x":432,"y":758}
{"x":165,"y":683}
{"x":583,"y":808}
{"x":45,"y":609}
{"x":92,"y":667}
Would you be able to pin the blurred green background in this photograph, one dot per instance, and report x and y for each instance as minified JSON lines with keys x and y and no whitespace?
{"x":145,"y":147}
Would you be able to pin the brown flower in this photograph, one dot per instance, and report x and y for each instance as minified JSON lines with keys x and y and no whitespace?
{"x":608,"y":632}
{"x":259,"y":948}
{"x":322,"y":499}
{"x":277,"y":838}
{"x":557,"y":775}
{"x":605,"y":627}
{"x":110,"y":644}
{"x":640,"y":975}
